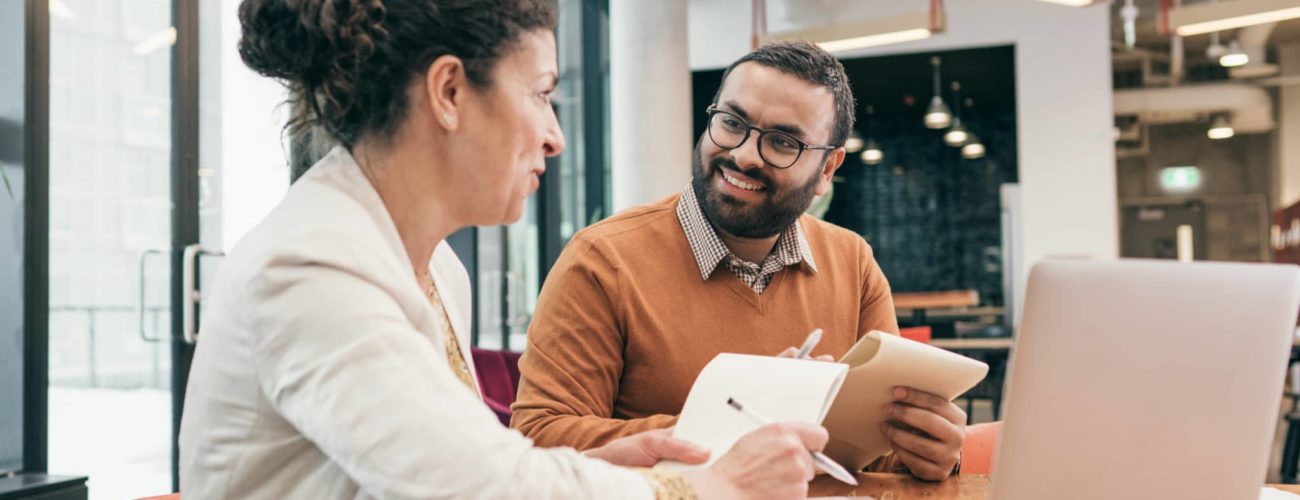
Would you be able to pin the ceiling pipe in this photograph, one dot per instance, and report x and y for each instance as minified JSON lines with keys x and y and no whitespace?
{"x":1254,"y":40}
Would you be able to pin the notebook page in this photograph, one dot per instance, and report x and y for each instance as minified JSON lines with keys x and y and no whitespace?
{"x":780,"y":389}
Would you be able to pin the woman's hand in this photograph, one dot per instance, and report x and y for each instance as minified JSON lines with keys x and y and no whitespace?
{"x":772,"y":462}
{"x":648,"y":448}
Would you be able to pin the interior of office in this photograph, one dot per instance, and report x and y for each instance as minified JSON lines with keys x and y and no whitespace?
{"x":136,"y":148}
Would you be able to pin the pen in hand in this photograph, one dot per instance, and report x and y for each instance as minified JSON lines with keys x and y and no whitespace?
{"x":809,"y":343}
{"x":823,"y":462}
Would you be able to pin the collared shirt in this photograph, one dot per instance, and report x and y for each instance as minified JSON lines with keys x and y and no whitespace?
{"x":791,"y":247}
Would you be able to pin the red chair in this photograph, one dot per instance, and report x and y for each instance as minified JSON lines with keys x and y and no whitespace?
{"x":498,"y":377}
{"x":978,"y":449}
{"x":917,"y":333}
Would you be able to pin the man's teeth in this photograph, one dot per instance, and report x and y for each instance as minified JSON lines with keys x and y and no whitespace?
{"x":739,"y":183}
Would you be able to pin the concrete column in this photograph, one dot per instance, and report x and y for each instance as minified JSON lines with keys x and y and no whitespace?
{"x":650,"y":100}
{"x":1288,"y":132}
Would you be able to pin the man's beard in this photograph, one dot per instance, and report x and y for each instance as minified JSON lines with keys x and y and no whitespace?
{"x":769,"y":218}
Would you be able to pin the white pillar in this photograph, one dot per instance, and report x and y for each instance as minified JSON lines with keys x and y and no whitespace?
{"x":650,"y":100}
{"x":1288,"y":132}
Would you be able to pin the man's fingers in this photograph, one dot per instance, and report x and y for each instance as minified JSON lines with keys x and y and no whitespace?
{"x":920,"y":467}
{"x":789,"y":352}
{"x":665,"y":447}
{"x":926,"y":421}
{"x":935,"y":404}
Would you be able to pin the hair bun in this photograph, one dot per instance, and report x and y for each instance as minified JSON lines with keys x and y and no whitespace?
{"x":304,"y":41}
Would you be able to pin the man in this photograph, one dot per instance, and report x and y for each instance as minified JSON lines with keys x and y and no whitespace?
{"x":637,"y":304}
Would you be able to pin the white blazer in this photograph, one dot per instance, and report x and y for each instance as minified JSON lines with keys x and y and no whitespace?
{"x":320,"y":371}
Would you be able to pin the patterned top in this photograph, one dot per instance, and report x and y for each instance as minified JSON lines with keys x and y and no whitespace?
{"x":454,"y":357}
{"x":791,"y":247}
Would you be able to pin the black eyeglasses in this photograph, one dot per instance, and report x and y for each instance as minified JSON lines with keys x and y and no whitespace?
{"x":777,"y":148}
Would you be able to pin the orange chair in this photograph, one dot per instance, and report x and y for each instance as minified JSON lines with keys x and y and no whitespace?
{"x":177,"y":496}
{"x":977,"y":451}
{"x":917,"y":333}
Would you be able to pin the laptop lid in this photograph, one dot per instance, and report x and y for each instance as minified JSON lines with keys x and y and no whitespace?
{"x":1146,"y":379}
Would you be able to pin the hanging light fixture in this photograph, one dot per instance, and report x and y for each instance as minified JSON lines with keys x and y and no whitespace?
{"x":1220,"y":127}
{"x":1235,"y":56}
{"x":1216,"y":49}
{"x":956,"y":136}
{"x":854,"y":143}
{"x":973,"y":148}
{"x":872,"y":154}
{"x":937,"y":116}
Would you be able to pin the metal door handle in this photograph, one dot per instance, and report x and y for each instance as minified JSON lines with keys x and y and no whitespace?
{"x":139,"y":307}
{"x":189,"y":289}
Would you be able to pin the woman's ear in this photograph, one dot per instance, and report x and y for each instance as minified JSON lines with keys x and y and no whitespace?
{"x":444,"y":85}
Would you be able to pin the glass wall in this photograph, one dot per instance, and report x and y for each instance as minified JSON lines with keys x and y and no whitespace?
{"x":110,"y":215}
{"x":513,"y":260}
{"x":12,"y":100}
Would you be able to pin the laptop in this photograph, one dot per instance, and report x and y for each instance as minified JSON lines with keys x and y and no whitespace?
{"x":1139,"y":379}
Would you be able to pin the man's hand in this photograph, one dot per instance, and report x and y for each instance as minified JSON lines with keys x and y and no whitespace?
{"x":790,"y":352}
{"x":926,"y":432}
{"x":648,"y":448}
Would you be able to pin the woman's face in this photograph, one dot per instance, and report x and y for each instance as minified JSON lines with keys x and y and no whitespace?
{"x":509,"y":129}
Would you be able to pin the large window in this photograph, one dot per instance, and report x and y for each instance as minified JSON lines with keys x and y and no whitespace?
{"x":512,"y":262}
{"x":13,"y":208}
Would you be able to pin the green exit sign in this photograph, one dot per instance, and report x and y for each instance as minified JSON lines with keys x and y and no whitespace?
{"x":1180,"y":178}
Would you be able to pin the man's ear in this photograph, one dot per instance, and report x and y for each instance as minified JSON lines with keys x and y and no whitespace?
{"x":834,"y":159}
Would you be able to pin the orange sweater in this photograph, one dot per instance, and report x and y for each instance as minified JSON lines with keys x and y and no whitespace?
{"x":624,"y":322}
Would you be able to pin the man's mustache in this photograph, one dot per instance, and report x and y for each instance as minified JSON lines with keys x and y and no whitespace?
{"x":723,"y":162}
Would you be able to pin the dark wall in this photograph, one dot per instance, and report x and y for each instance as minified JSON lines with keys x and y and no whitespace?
{"x":932,"y":217}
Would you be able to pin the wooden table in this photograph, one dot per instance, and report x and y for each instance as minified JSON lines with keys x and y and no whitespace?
{"x":904,"y":487}
{"x":936,"y":300}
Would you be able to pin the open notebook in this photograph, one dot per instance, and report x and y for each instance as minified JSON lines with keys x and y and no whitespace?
{"x":781,"y":389}
{"x":847,"y":397}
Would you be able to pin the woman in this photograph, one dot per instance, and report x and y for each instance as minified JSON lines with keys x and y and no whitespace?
{"x":332,"y":362}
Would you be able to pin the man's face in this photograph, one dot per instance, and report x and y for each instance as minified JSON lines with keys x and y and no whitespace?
{"x":739,"y":192}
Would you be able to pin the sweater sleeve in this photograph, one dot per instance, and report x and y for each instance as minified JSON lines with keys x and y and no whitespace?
{"x":571,"y":371}
{"x":337,"y":357}
{"x":877,"y":311}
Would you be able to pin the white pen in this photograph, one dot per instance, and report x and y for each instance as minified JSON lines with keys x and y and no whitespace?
{"x":809,"y":343}
{"x":823,"y":462}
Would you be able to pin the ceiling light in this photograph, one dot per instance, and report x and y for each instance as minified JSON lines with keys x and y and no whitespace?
{"x":1220,"y":128}
{"x":854,"y":142}
{"x":1235,"y":56}
{"x":957,"y":135}
{"x":871,"y":32}
{"x":1216,"y":50}
{"x":973,"y":149}
{"x":872,"y":154}
{"x":1220,"y":16}
{"x":938,"y":115}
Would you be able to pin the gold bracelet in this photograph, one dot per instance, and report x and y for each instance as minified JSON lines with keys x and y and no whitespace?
{"x":669,"y":485}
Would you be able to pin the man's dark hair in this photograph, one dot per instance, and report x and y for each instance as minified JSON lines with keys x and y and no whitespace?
{"x":811,"y":64}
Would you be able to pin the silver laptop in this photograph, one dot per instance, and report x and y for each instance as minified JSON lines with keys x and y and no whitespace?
{"x":1146,"y":380}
